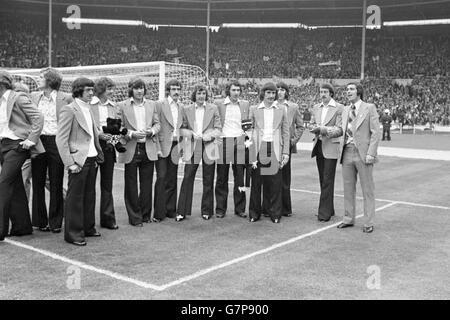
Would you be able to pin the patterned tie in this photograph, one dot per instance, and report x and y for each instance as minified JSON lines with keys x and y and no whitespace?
{"x":351,"y":117}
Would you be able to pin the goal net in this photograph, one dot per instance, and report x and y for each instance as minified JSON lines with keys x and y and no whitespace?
{"x":155,"y":75}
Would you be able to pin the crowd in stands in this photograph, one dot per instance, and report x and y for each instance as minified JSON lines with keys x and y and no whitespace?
{"x":250,"y":53}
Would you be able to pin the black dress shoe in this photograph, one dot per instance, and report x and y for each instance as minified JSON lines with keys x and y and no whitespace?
{"x":138,"y":225}
{"x":276,"y":220}
{"x":206,"y":217}
{"x":220,"y":215}
{"x":266,"y":215}
{"x":253,"y":219}
{"x":79,"y":243}
{"x":146,"y":220}
{"x":241,"y":214}
{"x":95,"y":234}
{"x":44,"y":229}
{"x":179,"y":217}
{"x":324,"y":220}
{"x":344,"y":225}
{"x":156,"y":220}
{"x":368,"y":229}
{"x":56,"y":230}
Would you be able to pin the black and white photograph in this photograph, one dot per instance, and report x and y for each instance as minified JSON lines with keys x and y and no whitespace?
{"x":225,"y":156}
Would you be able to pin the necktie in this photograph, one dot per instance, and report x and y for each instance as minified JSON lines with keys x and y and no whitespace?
{"x":351,"y":117}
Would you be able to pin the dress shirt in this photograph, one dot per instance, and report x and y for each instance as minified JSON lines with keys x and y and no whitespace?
{"x":325,"y":110}
{"x":174,"y":110}
{"x":139,"y":113}
{"x":47,"y":105}
{"x":103,"y":113}
{"x":199,"y":114}
{"x":86,"y":109}
{"x":232,"y":126}
{"x":350,"y":125}
{"x":5,"y":132}
{"x":268,"y":121}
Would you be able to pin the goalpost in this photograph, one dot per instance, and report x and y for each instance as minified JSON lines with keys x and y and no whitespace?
{"x":155,"y":75}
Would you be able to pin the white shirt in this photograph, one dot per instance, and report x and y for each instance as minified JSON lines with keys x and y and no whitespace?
{"x":232,"y":126}
{"x":325,"y":110}
{"x":5,"y":132}
{"x":268,"y":121}
{"x":199,"y":114}
{"x":86,"y":109}
{"x":48,"y":109}
{"x":350,"y":125}
{"x":139,"y":113}
{"x":103,"y":113}
{"x":174,"y":110}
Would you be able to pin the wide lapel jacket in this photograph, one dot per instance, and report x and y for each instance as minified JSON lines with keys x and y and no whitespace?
{"x":112,"y":108}
{"x":280,"y":127}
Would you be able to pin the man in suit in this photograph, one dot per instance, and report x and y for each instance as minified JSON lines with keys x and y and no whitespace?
{"x":326,"y":118}
{"x":49,"y":101}
{"x":200,"y":129}
{"x":102,"y":108}
{"x":80,"y":151}
{"x":296,"y":128}
{"x":270,"y":152}
{"x":358,"y":153}
{"x":233,"y":112}
{"x":21,"y":123}
{"x":170,"y":118}
{"x":140,"y":117}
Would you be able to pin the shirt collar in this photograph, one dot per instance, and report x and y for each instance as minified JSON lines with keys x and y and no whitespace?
{"x":6,"y":95}
{"x":96,"y":100}
{"x":202,"y":106}
{"x":357,"y":104}
{"x":274,"y":105}
{"x":228,"y":101}
{"x":82,"y":104}
{"x":143,"y":101}
{"x":331,"y":103}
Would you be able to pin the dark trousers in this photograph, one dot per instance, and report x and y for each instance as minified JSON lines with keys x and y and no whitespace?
{"x":79,"y":209}
{"x":286,"y":188}
{"x":239,"y":159}
{"x":387,"y":132}
{"x":187,"y":186}
{"x":138,"y":202}
{"x":13,"y":199}
{"x":166,"y":184}
{"x":107,"y":213}
{"x":327,"y":171}
{"x":267,"y":176}
{"x":51,"y":161}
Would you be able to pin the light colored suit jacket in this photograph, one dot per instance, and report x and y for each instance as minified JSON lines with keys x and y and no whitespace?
{"x":62,"y":99}
{"x":280,"y":127}
{"x":73,"y":138}
{"x":129,"y":122}
{"x":25,"y":119}
{"x":295,"y":123}
{"x":332,"y":124}
{"x":367,"y":131}
{"x":165,"y":135}
{"x":113,"y":112}
{"x":211,"y":127}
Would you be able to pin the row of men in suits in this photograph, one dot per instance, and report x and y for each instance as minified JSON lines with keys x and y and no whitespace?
{"x":72,"y":137}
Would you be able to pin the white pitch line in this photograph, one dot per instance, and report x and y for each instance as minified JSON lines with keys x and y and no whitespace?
{"x":85,"y":266}
{"x":381,"y":200}
{"x":415,"y":204}
{"x":257,"y":253}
